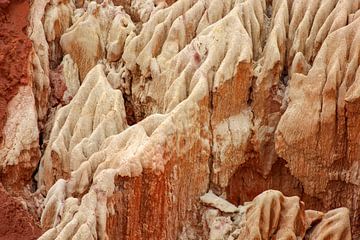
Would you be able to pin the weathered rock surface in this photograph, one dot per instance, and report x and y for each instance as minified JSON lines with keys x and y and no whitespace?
{"x":40,"y":61}
{"x":22,"y":84}
{"x":322,"y":149}
{"x":140,"y":108}
{"x":19,"y":134}
{"x":271,"y":215}
{"x":15,"y":222}
{"x":219,"y":77}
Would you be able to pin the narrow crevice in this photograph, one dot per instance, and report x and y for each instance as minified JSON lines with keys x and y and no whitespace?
{"x":133,"y":110}
{"x":284,"y":76}
{"x":34,"y":182}
{"x":268,"y":11}
{"x":250,"y":94}
{"x":130,"y":111}
{"x":211,"y":157}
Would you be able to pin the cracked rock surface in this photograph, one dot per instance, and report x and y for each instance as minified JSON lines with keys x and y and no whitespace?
{"x":154,"y":119}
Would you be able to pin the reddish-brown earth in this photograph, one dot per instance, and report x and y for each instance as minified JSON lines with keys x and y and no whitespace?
{"x":15,"y":48}
{"x":15,"y":222}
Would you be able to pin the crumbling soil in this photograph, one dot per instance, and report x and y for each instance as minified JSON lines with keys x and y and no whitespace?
{"x":15,"y":222}
{"x":15,"y":48}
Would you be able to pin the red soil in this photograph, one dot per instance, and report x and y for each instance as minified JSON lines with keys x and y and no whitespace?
{"x":15,"y":222}
{"x":15,"y":48}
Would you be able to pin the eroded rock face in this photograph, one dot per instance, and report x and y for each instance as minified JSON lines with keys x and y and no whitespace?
{"x":95,"y":113}
{"x":142,"y":107}
{"x":213,"y":87}
{"x":271,"y":215}
{"x":20,"y":151}
{"x":19,"y":135}
{"x":19,"y":117}
{"x":322,"y":148}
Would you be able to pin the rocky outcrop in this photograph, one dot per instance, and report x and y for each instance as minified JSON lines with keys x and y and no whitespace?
{"x":321,"y":149}
{"x":40,"y":68}
{"x":19,"y":135}
{"x":142,"y":107}
{"x":95,"y":113}
{"x":57,"y":18}
{"x":271,"y":215}
{"x":213,"y":92}
{"x":20,"y":151}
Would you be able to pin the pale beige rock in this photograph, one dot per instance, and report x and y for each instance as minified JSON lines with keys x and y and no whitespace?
{"x":335,"y":224}
{"x":216,"y":202}
{"x":56,"y":20}
{"x":95,"y":113}
{"x":71,"y":78}
{"x":41,"y":87}
{"x":121,"y":31}
{"x":20,"y":149}
{"x":86,"y":39}
{"x":40,"y":60}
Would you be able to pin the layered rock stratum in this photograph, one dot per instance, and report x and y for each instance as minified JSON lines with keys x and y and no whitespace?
{"x":154,"y":119}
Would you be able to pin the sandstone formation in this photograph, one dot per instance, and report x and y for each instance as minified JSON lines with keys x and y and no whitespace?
{"x":271,"y":215}
{"x":19,"y":134}
{"x":21,"y":114}
{"x":127,"y":119}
